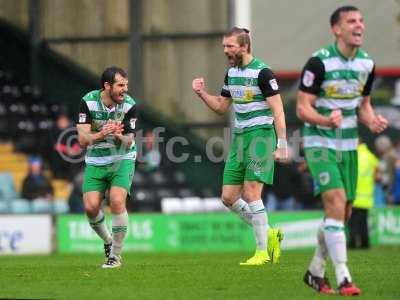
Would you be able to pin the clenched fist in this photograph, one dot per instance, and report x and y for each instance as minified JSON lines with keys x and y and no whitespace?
{"x":198,"y":85}
{"x":336,"y":118}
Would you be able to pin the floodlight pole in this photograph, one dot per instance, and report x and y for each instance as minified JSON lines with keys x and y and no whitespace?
{"x":135,"y":49}
{"x":34,"y":34}
{"x":239,"y":14}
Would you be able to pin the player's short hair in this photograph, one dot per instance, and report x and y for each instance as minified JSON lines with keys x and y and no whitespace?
{"x":335,"y":17}
{"x":243,"y":36}
{"x":109,"y":75}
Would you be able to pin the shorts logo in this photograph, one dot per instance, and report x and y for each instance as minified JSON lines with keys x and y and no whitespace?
{"x":274,"y":84}
{"x":324,"y":178}
{"x":82,"y":118}
{"x":132,"y":123}
{"x":308,"y":78}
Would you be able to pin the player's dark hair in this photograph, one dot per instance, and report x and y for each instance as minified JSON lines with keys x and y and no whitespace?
{"x":335,"y":17}
{"x":109,"y":75}
{"x":243,"y":36}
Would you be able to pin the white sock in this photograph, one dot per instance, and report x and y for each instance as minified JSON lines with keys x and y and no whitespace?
{"x":335,"y":240}
{"x":119,"y":229}
{"x":259,"y":223}
{"x":100,"y":227}
{"x":241,"y":208}
{"x":318,"y":262}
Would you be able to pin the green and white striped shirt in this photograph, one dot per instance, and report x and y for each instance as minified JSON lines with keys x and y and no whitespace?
{"x":95,"y":113}
{"x":338,"y":83}
{"x":248,"y":87}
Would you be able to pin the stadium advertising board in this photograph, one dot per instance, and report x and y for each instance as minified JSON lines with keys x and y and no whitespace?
{"x":385,"y":226}
{"x":25,"y":234}
{"x":187,"y":233}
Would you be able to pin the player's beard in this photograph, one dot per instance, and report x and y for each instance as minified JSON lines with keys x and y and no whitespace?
{"x":115,"y":97}
{"x":235,"y":60}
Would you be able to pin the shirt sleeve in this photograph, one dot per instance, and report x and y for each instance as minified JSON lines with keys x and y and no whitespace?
{"x":267,"y":83}
{"x":129,"y":120}
{"x":84,"y":114}
{"x":312,"y":76}
{"x":368,"y":85}
{"x":225,"y":90}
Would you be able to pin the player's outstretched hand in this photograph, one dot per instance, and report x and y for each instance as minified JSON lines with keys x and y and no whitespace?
{"x":198,"y":85}
{"x":378,"y":124}
{"x":335,"y":118}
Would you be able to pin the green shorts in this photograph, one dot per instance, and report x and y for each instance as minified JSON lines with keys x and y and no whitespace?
{"x":332,"y":169}
{"x":251,"y":157}
{"x":101,"y":178}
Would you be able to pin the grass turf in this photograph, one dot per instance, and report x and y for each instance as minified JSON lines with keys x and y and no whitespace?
{"x":188,"y":276}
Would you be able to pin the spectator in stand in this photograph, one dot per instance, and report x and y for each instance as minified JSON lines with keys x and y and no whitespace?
{"x":151,"y":157}
{"x":387,"y":158}
{"x":65,"y":149}
{"x":396,"y":183}
{"x":75,"y":198}
{"x":368,"y":173}
{"x":36,"y":185}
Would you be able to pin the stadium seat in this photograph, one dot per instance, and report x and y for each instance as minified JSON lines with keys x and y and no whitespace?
{"x":192,"y":205}
{"x":158,"y":178}
{"x":179,"y":177}
{"x":139,"y":179}
{"x":214,"y":204}
{"x":171,"y":205}
{"x":20,"y":206}
{"x":207,"y":193}
{"x":186,"y":192}
{"x":60,"y":206}
{"x":42,"y":206}
{"x":7,"y":187}
{"x":141,"y":194}
{"x":4,"y":207}
{"x":165,"y":193}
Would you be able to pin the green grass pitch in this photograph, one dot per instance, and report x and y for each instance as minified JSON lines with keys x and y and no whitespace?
{"x":189,"y":276}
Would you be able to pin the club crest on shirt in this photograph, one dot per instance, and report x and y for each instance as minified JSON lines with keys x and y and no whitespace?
{"x":82,"y":118}
{"x":274,"y":84}
{"x":132,"y":123}
{"x":119,"y":116}
{"x":308,"y":78}
{"x":324,"y":178}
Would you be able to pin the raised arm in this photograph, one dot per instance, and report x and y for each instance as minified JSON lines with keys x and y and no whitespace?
{"x":219,"y":104}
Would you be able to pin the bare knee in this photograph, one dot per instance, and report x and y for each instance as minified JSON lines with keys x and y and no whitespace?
{"x":252,"y":191}
{"x":91,"y":209}
{"x":118,"y":200}
{"x":228,"y":198}
{"x":335,"y":204}
{"x":92,"y":202}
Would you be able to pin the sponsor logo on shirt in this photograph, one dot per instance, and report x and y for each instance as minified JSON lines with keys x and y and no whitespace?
{"x":308,"y":78}
{"x":274,"y":84}
{"x":343,"y":89}
{"x":82,"y":118}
